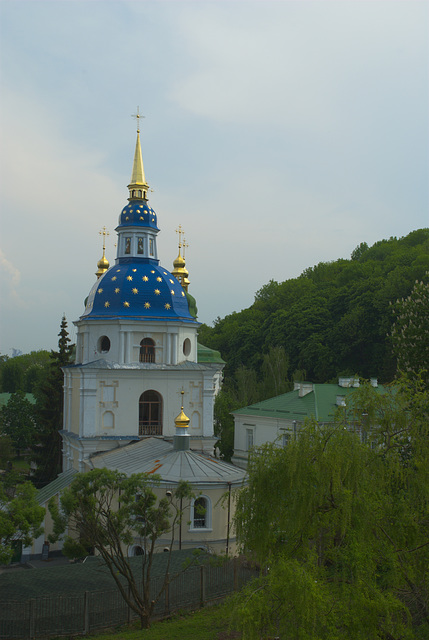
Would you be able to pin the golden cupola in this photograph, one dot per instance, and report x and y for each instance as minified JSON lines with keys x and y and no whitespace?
{"x":103,"y":264}
{"x":180,"y":271}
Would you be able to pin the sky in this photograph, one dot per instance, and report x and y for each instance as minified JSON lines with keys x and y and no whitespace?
{"x":278,"y":134}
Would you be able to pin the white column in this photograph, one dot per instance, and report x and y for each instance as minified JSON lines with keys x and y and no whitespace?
{"x":121,"y":347}
{"x":168,"y":350}
{"x":174,"y":354}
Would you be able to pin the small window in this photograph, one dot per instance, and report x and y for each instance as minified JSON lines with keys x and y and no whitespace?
{"x":151,"y":246}
{"x":249,"y":439}
{"x":127,"y":245}
{"x":140,"y":193}
{"x":103,"y":344}
{"x":147,"y":350}
{"x":285,"y":439}
{"x":187,"y":347}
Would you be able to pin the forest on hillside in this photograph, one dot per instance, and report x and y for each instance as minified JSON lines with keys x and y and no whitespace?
{"x":334,"y":319}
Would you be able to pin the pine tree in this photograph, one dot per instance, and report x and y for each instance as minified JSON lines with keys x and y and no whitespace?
{"x":47,"y":454}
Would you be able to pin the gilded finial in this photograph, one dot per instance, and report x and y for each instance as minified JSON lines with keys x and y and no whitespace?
{"x":103,"y":263}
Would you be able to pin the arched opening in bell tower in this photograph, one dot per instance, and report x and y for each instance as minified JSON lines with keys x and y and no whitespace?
{"x":150,"y":414}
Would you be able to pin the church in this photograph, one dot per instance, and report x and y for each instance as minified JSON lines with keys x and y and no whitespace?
{"x":138,"y":365}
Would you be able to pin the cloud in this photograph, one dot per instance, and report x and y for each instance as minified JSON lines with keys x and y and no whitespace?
{"x":10,"y":278}
{"x":306,"y":66}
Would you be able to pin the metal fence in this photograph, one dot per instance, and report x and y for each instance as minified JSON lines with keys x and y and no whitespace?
{"x":83,"y":613}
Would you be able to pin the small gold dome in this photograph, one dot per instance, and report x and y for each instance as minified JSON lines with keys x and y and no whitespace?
{"x":182,"y":420}
{"x":179,"y":262}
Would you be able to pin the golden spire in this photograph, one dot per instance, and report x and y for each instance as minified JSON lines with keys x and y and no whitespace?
{"x":182,"y":420}
{"x":180,"y":272}
{"x":103,"y":263}
{"x":138,"y":186}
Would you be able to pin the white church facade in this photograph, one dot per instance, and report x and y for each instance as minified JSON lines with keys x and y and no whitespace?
{"x":137,"y":362}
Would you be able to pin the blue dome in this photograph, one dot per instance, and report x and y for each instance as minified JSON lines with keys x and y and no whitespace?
{"x":137,"y":213}
{"x":138,"y":290}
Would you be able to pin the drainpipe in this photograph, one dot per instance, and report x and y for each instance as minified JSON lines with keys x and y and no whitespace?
{"x":229,"y":518}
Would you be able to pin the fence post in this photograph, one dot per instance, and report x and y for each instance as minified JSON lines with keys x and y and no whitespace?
{"x":86,"y":612}
{"x":202,"y":586}
{"x":167,"y":594}
{"x":235,"y":567}
{"x":32,"y":616}
{"x":128,"y":606}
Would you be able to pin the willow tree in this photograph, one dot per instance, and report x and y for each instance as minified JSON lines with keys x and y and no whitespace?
{"x":339,"y":522}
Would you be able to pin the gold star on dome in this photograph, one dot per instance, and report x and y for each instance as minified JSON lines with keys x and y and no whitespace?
{"x":138,"y":211}
{"x":172,"y":292}
{"x":107,"y":304}
{"x":165,"y":273}
{"x":167,"y":305}
{"x":145,"y":279}
{"x":183,"y":293}
{"x":126,"y":304}
{"x":117,"y":290}
{"x":141,"y":217}
{"x":129,"y":278}
{"x":100,"y":291}
{"x":117,"y":270}
{"x":159,"y":279}
{"x":135,"y":290}
{"x":134,"y":270}
{"x":152,"y":271}
{"x":157,"y":292}
{"x":153,"y":219}
{"x":114,"y":278}
{"x":147,"y":305}
{"x":126,"y":218}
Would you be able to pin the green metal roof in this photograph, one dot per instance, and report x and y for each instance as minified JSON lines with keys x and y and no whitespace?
{"x":320,"y":403}
{"x":56,"y":486}
{"x":209,"y":355}
{"x":4,"y":398}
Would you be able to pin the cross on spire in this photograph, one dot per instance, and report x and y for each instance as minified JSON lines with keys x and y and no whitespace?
{"x":137,"y":116}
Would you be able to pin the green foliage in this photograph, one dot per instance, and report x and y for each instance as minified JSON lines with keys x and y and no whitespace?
{"x":410,"y":334}
{"x":18,"y":421}
{"x":47,"y":450}
{"x":24,"y":372}
{"x":20,"y":518}
{"x":344,"y":537}
{"x":244,"y":389}
{"x":108,"y":511}
{"x":334,"y":318}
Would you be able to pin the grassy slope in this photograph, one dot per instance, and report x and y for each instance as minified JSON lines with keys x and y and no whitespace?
{"x":211,"y":623}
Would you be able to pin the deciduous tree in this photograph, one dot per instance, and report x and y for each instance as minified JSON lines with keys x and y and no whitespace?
{"x":108,"y":511}
{"x":20,"y":518}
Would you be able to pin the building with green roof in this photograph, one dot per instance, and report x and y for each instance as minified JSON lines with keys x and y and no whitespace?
{"x":280,"y":418}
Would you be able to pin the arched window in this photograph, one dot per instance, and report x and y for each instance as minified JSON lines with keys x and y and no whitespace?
{"x":150,"y":414}
{"x":147,"y":350}
{"x":201,"y":516}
